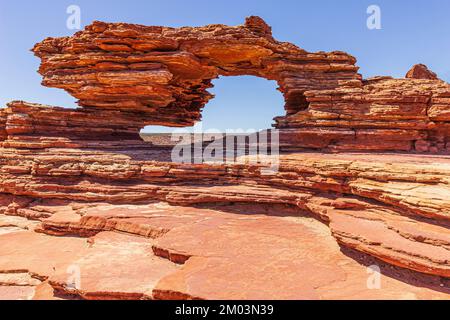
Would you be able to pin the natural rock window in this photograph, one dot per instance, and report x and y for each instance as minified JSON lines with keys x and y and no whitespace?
{"x":71,"y":174}
{"x":243,"y":102}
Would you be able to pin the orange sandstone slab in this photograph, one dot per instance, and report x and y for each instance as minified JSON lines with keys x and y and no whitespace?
{"x":116,"y":266}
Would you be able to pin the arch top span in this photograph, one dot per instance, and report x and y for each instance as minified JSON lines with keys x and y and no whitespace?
{"x":162,"y":74}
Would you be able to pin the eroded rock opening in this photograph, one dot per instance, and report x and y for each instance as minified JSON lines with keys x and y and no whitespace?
{"x":242,"y":107}
{"x":82,"y":172}
{"x":243,"y":103}
{"x":240,"y":103}
{"x":163,"y":74}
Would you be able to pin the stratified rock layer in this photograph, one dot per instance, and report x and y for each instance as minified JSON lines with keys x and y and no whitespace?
{"x":421,"y":71}
{"x":97,"y":213}
{"x":383,"y":114}
{"x":162,"y":74}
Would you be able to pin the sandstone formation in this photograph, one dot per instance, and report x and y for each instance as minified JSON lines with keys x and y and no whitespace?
{"x":82,"y":195}
{"x":162,"y":75}
{"x":421,"y":71}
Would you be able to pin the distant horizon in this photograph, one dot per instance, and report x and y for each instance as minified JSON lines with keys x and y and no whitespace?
{"x":410,"y":33}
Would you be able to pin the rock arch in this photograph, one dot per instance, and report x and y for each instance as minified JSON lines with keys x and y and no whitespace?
{"x":144,"y":75}
{"x":164,"y":73}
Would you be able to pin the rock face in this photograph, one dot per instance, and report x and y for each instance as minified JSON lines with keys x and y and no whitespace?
{"x":421,"y":71}
{"x":97,"y":213}
{"x":162,"y":75}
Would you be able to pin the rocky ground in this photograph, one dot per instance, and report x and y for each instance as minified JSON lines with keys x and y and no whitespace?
{"x":309,"y":232}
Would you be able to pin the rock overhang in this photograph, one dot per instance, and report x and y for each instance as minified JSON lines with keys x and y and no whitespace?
{"x":164,"y":73}
{"x":161,"y":76}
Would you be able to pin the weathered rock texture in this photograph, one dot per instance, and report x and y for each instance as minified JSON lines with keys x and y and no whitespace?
{"x":162,"y":75}
{"x":421,"y":71}
{"x":82,"y":194}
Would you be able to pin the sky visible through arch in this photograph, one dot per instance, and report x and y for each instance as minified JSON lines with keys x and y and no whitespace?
{"x":242,"y":102}
{"x":411,"y":32}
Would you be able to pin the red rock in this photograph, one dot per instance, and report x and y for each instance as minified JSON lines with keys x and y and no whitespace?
{"x":79,"y":187}
{"x":116,"y":267}
{"x":16,"y":292}
{"x":421,"y":71}
{"x":250,"y":245}
{"x":176,"y":67}
{"x":160,"y":76}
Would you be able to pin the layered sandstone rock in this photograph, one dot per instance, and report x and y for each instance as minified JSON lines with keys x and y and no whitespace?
{"x":226,"y":252}
{"x":421,"y":71}
{"x":3,"y":134}
{"x":164,"y":73}
{"x":34,"y":126}
{"x":83,"y":197}
{"x":403,"y":195}
{"x":383,"y":114}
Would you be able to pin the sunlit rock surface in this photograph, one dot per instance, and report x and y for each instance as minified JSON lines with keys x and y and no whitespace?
{"x":95,"y":212}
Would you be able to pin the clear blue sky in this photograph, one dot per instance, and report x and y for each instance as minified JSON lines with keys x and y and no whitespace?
{"x":412,"y":32}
